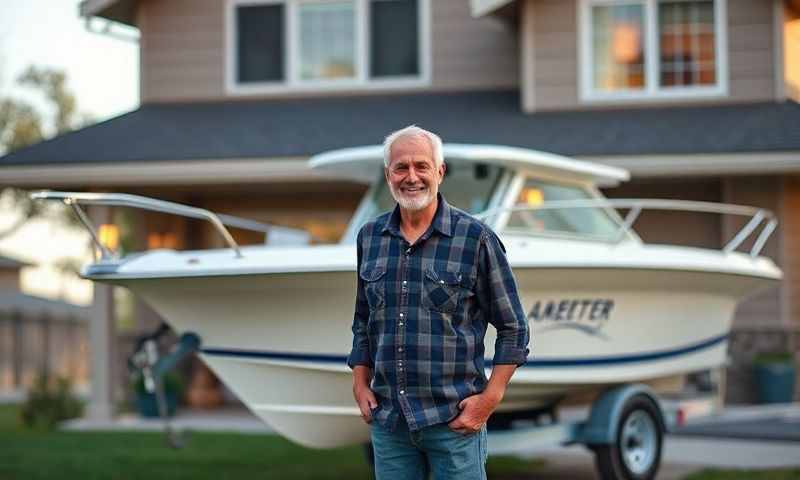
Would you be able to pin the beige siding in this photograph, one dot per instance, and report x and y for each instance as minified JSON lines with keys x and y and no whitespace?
{"x":468,"y":52}
{"x":553,"y":74}
{"x":791,"y":249}
{"x":763,"y":309}
{"x":183,"y":50}
{"x":555,"y":55}
{"x":750,"y":46}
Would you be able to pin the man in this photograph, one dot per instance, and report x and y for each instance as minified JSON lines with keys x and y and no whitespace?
{"x":430,"y":278}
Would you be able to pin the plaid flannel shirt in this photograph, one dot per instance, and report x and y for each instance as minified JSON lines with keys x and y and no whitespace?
{"x":422,"y":311}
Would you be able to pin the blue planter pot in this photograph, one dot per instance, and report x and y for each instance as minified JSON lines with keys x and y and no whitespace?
{"x":775,"y":382}
{"x":148,"y":405}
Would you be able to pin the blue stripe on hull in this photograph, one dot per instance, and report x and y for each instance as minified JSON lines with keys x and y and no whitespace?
{"x":563,"y":362}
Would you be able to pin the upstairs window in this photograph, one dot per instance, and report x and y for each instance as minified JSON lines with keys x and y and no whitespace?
{"x":276,"y":45}
{"x":652,"y":48}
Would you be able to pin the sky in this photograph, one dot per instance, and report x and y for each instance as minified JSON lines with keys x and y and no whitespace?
{"x":103,"y":73}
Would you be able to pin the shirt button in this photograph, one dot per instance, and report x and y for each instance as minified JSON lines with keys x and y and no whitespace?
{"x":408,"y":251}
{"x":402,"y":392}
{"x":405,"y":282}
{"x":401,"y":314}
{"x":399,"y":349}
{"x":401,"y":324}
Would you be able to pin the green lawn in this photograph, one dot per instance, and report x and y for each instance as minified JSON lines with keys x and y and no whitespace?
{"x":33,"y":455}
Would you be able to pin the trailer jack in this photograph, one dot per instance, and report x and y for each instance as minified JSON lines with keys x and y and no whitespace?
{"x":147,"y":362}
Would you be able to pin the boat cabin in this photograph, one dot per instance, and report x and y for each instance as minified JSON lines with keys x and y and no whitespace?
{"x":502,"y":185}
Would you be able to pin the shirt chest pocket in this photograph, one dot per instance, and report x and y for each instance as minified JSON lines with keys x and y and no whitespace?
{"x":374,"y":285}
{"x":444,"y":291}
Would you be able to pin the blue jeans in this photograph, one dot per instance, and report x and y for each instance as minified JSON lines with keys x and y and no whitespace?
{"x":406,"y":455}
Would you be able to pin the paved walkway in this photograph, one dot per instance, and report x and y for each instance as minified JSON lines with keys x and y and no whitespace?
{"x":232,"y":419}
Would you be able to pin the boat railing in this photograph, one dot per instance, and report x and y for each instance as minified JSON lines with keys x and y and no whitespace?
{"x":75,"y":199}
{"x":758,"y":217}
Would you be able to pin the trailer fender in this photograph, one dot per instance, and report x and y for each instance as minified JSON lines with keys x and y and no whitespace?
{"x":604,"y":418}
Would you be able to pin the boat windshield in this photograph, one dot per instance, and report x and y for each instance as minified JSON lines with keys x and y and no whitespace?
{"x":468,"y":186}
{"x":583,"y":222}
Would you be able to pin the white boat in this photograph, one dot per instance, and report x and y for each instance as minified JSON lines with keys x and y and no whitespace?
{"x":605,"y":308}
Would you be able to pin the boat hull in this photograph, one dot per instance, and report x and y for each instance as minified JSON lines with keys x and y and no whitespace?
{"x":279,"y":341}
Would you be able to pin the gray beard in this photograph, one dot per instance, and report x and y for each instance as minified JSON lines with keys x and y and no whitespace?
{"x":412,"y":204}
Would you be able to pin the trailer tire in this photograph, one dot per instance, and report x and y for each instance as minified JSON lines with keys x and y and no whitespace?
{"x":636,"y":451}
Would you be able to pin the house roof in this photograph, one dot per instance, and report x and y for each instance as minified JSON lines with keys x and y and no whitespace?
{"x":302,"y":127}
{"x":29,"y":305}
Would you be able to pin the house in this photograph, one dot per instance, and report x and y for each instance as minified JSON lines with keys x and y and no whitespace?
{"x":697,"y":98}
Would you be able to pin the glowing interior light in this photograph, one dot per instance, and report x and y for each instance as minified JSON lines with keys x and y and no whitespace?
{"x":109,"y":236}
{"x":533,"y":197}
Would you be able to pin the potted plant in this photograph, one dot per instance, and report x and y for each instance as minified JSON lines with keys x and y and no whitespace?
{"x":775,"y":375}
{"x":147,"y":403}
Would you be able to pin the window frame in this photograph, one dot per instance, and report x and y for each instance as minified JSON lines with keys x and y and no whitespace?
{"x":652,"y":90}
{"x":291,"y":58}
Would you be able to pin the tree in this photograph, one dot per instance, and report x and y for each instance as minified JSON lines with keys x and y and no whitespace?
{"x":21,"y":125}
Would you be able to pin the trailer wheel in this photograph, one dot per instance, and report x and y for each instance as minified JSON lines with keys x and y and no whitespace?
{"x":636,"y":452}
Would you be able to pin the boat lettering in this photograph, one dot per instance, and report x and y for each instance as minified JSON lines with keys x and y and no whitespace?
{"x":572,"y":310}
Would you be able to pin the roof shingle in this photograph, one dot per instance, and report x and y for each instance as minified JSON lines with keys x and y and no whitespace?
{"x":302,"y":127}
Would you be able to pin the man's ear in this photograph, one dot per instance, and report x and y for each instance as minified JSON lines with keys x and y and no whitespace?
{"x":386,"y":173}
{"x":442,"y":171}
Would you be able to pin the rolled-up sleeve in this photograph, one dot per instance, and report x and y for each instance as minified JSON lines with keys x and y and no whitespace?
{"x":359,"y":354}
{"x":498,"y":297}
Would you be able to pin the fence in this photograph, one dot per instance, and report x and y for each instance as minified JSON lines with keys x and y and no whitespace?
{"x":32,"y":343}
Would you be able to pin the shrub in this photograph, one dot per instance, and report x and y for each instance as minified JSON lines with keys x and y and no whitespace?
{"x":49,"y":402}
{"x":766,"y":358}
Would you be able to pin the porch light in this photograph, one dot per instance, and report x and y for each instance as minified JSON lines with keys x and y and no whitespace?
{"x":109,"y":236}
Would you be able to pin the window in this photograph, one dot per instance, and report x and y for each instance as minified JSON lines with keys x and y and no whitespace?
{"x":281,"y":45}
{"x":260,"y":43}
{"x":652,"y":48}
{"x":327,"y":40}
{"x":590,"y":221}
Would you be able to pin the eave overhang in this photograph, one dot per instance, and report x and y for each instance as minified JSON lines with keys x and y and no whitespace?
{"x":121,"y":11}
{"x":481,"y":8}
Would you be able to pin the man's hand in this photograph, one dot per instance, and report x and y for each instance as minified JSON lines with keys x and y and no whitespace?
{"x":364,"y":396}
{"x":475,"y":410}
